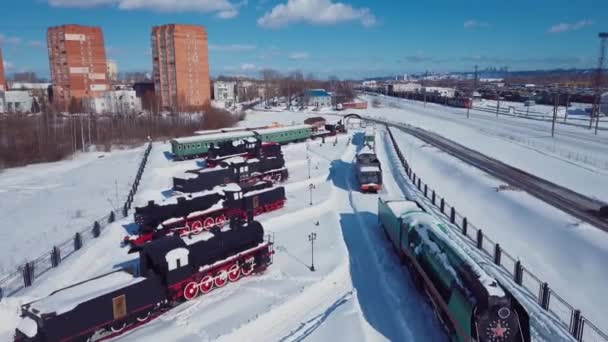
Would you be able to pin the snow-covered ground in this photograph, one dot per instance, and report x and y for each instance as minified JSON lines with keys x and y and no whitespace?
{"x":45,"y":204}
{"x":557,"y":248}
{"x":575,"y":158}
{"x":359,"y":291}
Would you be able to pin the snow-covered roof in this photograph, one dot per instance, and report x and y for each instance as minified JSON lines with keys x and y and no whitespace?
{"x":370,"y":169}
{"x":400,"y":207}
{"x":69,"y":298}
{"x":208,"y":131}
{"x":282,"y":129}
{"x":28,"y":326}
{"x":216,"y":206}
{"x":192,"y":239}
{"x":366,"y":150}
{"x":235,"y":160}
{"x":213,"y":137}
{"x":423,"y":223}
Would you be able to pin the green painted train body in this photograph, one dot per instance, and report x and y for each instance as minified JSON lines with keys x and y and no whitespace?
{"x":284,"y":135}
{"x":197,"y":146}
{"x":461,"y":292}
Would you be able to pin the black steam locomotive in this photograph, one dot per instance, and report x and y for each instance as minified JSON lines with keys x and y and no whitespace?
{"x":233,"y":170}
{"x":171,"y":271}
{"x":247,"y":148}
{"x":194,"y":214}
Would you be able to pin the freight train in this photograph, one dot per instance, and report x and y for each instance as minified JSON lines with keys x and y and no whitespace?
{"x":201,"y":212}
{"x":170,"y":271}
{"x":368,"y":170}
{"x":247,"y":148}
{"x":471,"y":304}
{"x":233,"y":170}
{"x":456,"y":101}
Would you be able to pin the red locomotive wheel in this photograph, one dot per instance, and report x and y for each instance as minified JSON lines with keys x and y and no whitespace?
{"x":144,"y":316}
{"x":196,"y":227}
{"x":220,"y":220}
{"x":209,"y":222}
{"x":221,"y":278}
{"x":234,"y":273}
{"x":246,"y":269}
{"x":191,"y":291}
{"x":118,"y":327}
{"x":206,"y":285}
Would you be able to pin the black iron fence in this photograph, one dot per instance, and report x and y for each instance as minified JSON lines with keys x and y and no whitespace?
{"x":26,"y":274}
{"x":579,"y":326}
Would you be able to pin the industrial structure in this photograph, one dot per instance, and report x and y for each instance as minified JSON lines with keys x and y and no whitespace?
{"x":2,"y":76}
{"x":180,"y":59}
{"x":77,"y":58}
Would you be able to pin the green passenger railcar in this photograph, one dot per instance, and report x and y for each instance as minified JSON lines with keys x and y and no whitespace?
{"x":196,"y":146}
{"x":286,"y":134}
{"x":472,"y":305}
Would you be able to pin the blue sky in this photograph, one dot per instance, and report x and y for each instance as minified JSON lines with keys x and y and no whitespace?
{"x":347,"y":38}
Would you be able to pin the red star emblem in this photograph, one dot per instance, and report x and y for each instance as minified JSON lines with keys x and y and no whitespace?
{"x":498,"y":331}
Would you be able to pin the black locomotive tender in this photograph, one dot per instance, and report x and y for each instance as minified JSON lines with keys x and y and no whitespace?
{"x":233,"y":170}
{"x":247,"y":148}
{"x":170,"y":271}
{"x":194,"y":213}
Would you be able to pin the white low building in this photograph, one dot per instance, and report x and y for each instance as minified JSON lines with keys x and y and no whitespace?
{"x":224,"y":91}
{"x":604,"y":104}
{"x":123,"y":101}
{"x":16,"y":101}
{"x":441,"y":91}
{"x":406,"y":87}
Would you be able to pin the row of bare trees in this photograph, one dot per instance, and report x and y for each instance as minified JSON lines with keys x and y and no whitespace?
{"x":292,"y":86}
{"x":50,"y":136}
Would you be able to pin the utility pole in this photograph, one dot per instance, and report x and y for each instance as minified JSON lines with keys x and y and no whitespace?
{"x":567,"y":105}
{"x":473,"y":92}
{"x":312,"y":237}
{"x":555,"y":106}
{"x":497,"y":100}
{"x":311,"y":187}
{"x":424,"y":88}
{"x":598,"y":80}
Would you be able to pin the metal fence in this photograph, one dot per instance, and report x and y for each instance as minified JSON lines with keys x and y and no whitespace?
{"x":579,"y":326}
{"x":26,"y":274}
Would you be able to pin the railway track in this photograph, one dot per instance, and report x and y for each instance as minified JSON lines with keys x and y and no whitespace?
{"x":582,"y":207}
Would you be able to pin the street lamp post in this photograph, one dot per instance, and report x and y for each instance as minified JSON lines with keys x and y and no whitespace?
{"x":308,"y":162}
{"x":311,"y":187}
{"x":312,"y":237}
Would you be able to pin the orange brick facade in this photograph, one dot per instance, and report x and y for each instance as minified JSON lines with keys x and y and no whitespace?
{"x":2,"y":76}
{"x":77,"y":58}
{"x":180,"y":58}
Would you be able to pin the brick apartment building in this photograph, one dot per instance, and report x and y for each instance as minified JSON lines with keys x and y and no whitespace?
{"x":180,"y":58}
{"x":77,"y":58}
{"x":2,"y":76}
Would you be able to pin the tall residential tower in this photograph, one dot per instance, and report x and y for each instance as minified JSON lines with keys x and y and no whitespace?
{"x":77,"y":58}
{"x":180,"y":58}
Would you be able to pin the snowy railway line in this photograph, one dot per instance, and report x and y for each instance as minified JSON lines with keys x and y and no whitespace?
{"x":582,"y":207}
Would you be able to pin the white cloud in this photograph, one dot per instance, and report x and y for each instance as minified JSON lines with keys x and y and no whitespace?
{"x":35,"y":43}
{"x":472,"y":24}
{"x":224,"y":8}
{"x":8,"y":65}
{"x":232,"y":47}
{"x":566,"y":27}
{"x":299,"y":56}
{"x":4,"y":39}
{"x":248,"y":66}
{"x":318,"y":12}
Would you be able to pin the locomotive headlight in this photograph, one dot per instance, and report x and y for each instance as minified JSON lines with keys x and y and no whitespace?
{"x":504,"y":313}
